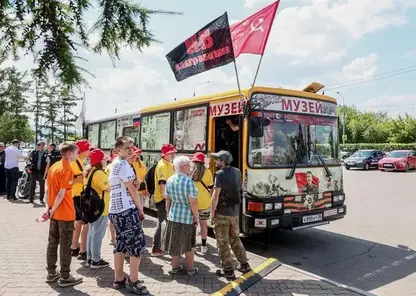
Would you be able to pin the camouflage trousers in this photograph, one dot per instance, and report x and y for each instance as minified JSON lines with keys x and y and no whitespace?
{"x":227,"y":234}
{"x":60,"y":234}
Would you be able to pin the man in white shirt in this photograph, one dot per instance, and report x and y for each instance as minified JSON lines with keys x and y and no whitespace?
{"x":13,"y":155}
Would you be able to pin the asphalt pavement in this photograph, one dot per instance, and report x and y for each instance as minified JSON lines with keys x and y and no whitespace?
{"x":372,"y":248}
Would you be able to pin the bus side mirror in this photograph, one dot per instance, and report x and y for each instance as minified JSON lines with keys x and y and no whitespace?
{"x":256,"y":126}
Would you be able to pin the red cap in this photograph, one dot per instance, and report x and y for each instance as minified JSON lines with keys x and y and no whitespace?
{"x":199,"y":157}
{"x":83,"y":145}
{"x":168,"y":149}
{"x":96,"y":156}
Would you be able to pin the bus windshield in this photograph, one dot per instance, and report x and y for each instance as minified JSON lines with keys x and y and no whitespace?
{"x":289,"y":136}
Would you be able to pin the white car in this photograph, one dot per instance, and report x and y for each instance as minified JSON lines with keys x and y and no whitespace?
{"x":26,"y":153}
{"x":267,"y":150}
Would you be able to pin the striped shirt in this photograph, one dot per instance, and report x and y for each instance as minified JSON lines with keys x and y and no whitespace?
{"x":179,"y":188}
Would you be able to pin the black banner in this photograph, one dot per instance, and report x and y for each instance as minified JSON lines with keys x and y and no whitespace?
{"x":209,"y":48}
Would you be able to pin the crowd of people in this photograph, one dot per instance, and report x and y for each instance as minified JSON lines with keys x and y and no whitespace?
{"x":185,"y":192}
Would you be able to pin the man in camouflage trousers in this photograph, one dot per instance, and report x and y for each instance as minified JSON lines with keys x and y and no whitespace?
{"x":226,"y":199}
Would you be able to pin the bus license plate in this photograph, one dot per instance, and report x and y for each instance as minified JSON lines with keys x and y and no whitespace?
{"x":312,"y":218}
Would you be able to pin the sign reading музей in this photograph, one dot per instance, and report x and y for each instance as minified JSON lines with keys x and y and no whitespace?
{"x":282,"y":103}
{"x":209,"y":48}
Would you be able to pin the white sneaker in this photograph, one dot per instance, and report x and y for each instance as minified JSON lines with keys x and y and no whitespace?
{"x":204,"y":250}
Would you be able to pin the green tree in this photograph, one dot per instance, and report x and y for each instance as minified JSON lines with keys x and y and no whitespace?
{"x":68,"y":101}
{"x":54,"y":31}
{"x":50,"y":127}
{"x":14,"y":89}
{"x":14,"y":128}
{"x":402,"y":129}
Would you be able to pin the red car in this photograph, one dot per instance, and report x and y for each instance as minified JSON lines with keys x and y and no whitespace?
{"x":398,"y":160}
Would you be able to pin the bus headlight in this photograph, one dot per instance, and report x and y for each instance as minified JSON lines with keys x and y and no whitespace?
{"x":268,"y":206}
{"x":278,"y":205}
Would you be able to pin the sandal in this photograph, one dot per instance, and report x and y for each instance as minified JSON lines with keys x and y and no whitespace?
{"x":193,"y":271}
{"x":137,"y":288}
{"x":176,"y":270}
{"x":119,"y":284}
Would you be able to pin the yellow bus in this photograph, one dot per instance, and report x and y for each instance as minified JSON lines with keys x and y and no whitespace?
{"x":285,"y":142}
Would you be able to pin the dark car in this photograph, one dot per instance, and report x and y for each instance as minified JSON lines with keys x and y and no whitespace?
{"x":364,"y":159}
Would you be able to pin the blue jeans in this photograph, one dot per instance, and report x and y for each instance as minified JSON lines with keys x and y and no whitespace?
{"x":96,"y":232}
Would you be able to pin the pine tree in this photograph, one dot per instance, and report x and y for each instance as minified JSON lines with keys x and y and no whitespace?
{"x":49,"y":99}
{"x":55,"y":30}
{"x":14,"y":90}
{"x":68,"y":102}
{"x":39,"y":105}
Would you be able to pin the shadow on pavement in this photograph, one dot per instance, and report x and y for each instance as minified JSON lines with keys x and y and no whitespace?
{"x":359,"y":263}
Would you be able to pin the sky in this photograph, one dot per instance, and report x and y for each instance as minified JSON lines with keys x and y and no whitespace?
{"x":335,"y":43}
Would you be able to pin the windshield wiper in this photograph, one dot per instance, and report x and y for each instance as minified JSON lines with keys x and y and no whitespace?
{"x":298,"y":146}
{"x":294,"y":164}
{"x":316,"y":153}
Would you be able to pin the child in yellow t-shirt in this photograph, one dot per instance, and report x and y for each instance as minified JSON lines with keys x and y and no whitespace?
{"x":101,"y":185}
{"x":140,"y":170}
{"x":203,"y":180}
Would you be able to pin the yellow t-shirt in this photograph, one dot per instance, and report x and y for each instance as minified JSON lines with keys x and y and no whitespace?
{"x":204,"y":197}
{"x":100,"y":184}
{"x":164,"y":170}
{"x":78,"y":174}
{"x":141,"y":170}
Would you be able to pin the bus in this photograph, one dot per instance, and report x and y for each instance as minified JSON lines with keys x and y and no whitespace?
{"x":285,"y":142}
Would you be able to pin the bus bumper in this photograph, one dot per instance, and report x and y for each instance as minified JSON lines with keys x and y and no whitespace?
{"x":294,"y":221}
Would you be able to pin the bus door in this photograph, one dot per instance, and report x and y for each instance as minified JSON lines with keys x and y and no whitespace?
{"x":228,"y":137}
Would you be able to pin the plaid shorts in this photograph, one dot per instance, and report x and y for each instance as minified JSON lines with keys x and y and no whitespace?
{"x":130,"y":238}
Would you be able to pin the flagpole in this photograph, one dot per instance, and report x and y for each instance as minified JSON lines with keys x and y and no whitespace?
{"x":238,"y":81}
{"x":255,"y":75}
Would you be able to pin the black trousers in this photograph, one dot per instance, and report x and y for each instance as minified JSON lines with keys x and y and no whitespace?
{"x":12,"y":176}
{"x":2,"y":180}
{"x":37,"y":177}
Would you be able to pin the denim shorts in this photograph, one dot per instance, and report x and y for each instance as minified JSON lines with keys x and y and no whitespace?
{"x":130,"y":238}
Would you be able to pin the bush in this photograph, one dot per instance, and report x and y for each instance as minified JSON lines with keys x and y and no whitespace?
{"x":379,"y":146}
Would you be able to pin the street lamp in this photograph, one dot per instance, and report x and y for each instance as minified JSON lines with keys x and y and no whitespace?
{"x":200,"y":84}
{"x":122,"y":102}
{"x":343,"y":117}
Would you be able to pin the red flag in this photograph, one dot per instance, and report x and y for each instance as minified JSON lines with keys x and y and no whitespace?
{"x":251,"y":35}
{"x":301,"y":180}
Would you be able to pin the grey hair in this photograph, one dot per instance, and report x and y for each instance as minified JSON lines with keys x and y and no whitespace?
{"x":180,"y":161}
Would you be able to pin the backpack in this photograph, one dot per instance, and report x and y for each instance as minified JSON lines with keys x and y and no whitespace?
{"x":150,"y":180}
{"x":92,"y":205}
{"x":80,"y":168}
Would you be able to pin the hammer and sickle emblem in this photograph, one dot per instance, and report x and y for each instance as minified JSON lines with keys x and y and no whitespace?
{"x":256,"y":25}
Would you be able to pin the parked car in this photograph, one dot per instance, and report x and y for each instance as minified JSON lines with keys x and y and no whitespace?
{"x":345,"y":154}
{"x":398,"y":160}
{"x":364,"y":159}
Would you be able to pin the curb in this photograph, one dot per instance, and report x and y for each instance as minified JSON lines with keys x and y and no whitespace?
{"x":334,"y":283}
{"x":339,"y":285}
{"x":244,"y":282}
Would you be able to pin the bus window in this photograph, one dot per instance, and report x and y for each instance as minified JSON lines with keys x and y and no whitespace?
{"x":108,"y":134}
{"x":190,"y":129}
{"x":155,"y":131}
{"x":132,"y":132}
{"x":93,"y":134}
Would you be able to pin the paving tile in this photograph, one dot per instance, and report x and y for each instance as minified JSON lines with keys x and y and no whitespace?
{"x":22,"y":266}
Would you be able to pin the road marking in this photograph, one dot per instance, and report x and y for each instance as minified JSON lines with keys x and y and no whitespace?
{"x":393,"y":264}
{"x":245,"y":281}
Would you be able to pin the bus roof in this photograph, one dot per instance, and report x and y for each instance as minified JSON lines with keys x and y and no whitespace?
{"x":233,"y":93}
{"x":114,"y":117}
{"x":213,"y":97}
